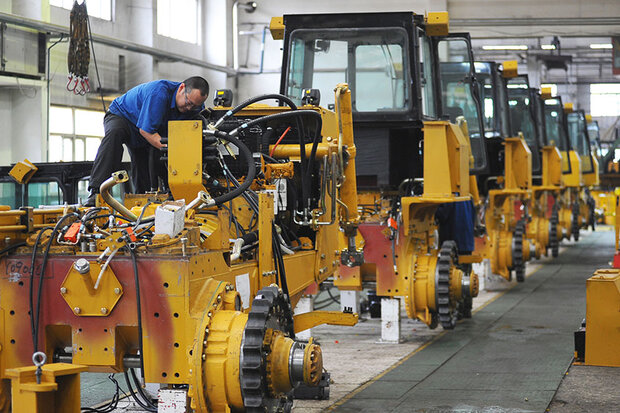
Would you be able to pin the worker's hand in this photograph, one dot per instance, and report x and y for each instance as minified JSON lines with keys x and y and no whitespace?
{"x":153,"y":138}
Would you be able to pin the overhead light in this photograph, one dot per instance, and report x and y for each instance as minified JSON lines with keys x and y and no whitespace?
{"x":600,"y":46}
{"x":505,"y":47}
{"x":547,"y":46}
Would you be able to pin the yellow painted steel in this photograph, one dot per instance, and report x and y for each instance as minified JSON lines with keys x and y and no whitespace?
{"x":445,"y":149}
{"x":195,"y":297}
{"x":348,"y":188}
{"x":23,"y":171}
{"x":500,"y":216}
{"x":276,"y":27}
{"x":79,"y":291}
{"x":603,"y":318}
{"x":59,"y":390}
{"x":437,"y":23}
{"x":314,"y":318}
{"x":510,"y":69}
{"x":184,"y":161}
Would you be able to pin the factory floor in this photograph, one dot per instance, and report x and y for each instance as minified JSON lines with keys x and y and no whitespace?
{"x":513,"y":355}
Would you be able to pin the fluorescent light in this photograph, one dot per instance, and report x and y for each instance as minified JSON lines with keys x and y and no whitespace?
{"x":600,"y":46}
{"x":505,"y":47}
{"x":547,"y":46}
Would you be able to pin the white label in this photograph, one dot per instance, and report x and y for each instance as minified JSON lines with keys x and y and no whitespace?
{"x":242,"y":283}
{"x":172,"y":401}
{"x":280,"y":195}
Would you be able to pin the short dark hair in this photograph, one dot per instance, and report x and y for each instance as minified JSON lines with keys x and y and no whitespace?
{"x":197,"y":82}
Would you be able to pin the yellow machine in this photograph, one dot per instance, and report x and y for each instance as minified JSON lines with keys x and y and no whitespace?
{"x":506,"y":187}
{"x":597,"y":342}
{"x":411,"y":170}
{"x":196,"y":291}
{"x":583,"y":205}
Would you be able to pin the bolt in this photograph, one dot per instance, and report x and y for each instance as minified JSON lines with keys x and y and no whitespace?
{"x":117,"y":291}
{"x":174,"y":172}
{"x":322,"y":256}
{"x":104,"y":310}
{"x":77,"y":310}
{"x":82,"y":266}
{"x":204,"y":357}
{"x":219,"y":298}
{"x":209,"y":314}
{"x":63,"y":290}
{"x":204,"y":343}
{"x":207,"y":330}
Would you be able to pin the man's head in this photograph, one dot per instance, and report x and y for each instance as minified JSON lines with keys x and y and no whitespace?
{"x":192,"y":93}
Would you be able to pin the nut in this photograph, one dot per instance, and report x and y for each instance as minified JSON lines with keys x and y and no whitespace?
{"x":63,"y":290}
{"x":104,"y":310}
{"x":117,"y":291}
{"x":77,"y":310}
{"x":82,"y":266}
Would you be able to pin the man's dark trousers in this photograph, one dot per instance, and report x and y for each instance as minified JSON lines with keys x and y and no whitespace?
{"x":118,"y":131}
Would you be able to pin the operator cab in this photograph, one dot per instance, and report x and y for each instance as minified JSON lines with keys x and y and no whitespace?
{"x":555,"y":128}
{"x":580,"y":142}
{"x":390,"y":63}
{"x":522,"y":117}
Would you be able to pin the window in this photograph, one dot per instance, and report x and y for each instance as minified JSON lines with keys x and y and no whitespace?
{"x":75,"y":134}
{"x":178,"y":19}
{"x":605,"y":99}
{"x":101,"y":9}
{"x":372,"y":61}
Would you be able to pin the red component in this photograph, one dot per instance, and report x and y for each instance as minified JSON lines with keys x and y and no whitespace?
{"x":132,"y":236}
{"x":392,"y":223}
{"x":73,"y":231}
{"x":616,"y":263}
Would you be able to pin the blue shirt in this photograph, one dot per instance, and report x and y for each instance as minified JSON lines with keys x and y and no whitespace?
{"x":149,"y":107}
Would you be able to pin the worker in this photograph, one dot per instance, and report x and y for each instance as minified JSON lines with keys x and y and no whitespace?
{"x":139,"y":119}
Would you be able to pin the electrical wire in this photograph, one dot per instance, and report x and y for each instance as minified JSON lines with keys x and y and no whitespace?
{"x":144,"y":404}
{"x":35,"y":316}
{"x":11,"y":247}
{"x":278,"y":141}
{"x":111,"y":405}
{"x":92,"y":47}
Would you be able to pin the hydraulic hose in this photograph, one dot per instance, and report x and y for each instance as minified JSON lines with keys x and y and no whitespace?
{"x":249,"y":177}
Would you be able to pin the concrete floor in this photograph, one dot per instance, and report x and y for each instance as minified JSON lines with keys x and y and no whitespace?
{"x":511,"y":356}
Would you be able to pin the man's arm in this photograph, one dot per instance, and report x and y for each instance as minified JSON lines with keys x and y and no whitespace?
{"x":152,"y":138}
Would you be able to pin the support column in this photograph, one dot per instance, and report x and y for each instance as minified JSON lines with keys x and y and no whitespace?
{"x":390,"y":320}
{"x":305,"y":305}
{"x":350,"y":299}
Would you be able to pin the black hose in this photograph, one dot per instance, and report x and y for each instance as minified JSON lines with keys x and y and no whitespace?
{"x":305,"y":165}
{"x":134,"y":395}
{"x":33,"y":331}
{"x":11,"y":247}
{"x":249,"y":177}
{"x":277,"y":96}
{"x":138,"y":306}
{"x":41,"y":277}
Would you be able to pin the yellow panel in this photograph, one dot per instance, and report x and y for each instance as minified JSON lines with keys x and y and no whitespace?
{"x":545,"y":92}
{"x":23,"y":171}
{"x":185,"y":159}
{"x":437,"y":23}
{"x":603,"y":318}
{"x":510,"y":68}
{"x":589,"y":118}
{"x":276,"y":27}
{"x":568,"y":107}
